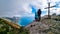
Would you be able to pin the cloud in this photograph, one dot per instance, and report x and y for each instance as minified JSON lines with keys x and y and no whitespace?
{"x":23,"y":8}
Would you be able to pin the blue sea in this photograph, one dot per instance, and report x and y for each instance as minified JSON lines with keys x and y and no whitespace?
{"x":24,"y":21}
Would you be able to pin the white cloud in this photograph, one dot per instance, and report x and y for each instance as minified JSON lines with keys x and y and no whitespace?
{"x":21,"y":7}
{"x":58,"y":11}
{"x":55,"y":10}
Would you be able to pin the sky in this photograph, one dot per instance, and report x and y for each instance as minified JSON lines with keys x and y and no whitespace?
{"x":27,"y":8}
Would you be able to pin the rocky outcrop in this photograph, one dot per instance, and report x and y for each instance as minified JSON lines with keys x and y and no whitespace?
{"x":37,"y":27}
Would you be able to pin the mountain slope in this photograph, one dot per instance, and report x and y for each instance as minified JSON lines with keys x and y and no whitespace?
{"x":45,"y":26}
{"x":7,"y":27}
{"x":10,"y":23}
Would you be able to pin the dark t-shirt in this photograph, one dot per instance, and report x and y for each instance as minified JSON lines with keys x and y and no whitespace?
{"x":39,"y":12}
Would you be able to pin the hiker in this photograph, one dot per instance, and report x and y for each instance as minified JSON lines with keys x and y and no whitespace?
{"x":36,"y":16}
{"x":39,"y":14}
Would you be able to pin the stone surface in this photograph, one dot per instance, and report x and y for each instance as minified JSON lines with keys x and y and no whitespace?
{"x":37,"y":27}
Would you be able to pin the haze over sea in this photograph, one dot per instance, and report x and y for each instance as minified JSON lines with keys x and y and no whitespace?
{"x":23,"y":21}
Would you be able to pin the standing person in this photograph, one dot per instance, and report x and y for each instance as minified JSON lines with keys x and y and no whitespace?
{"x":36,"y":16}
{"x":39,"y":14}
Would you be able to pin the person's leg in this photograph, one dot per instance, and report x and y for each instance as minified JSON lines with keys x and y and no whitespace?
{"x":39,"y":18}
{"x":35,"y":19}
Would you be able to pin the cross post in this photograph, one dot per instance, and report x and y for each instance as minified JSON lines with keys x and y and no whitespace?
{"x":49,"y":9}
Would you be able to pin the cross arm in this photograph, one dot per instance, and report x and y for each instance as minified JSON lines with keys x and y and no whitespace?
{"x":50,"y":7}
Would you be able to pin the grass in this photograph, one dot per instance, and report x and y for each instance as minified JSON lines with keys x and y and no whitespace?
{"x":7,"y":27}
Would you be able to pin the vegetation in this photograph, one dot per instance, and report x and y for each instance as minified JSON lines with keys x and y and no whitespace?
{"x":7,"y":29}
{"x":54,"y":14}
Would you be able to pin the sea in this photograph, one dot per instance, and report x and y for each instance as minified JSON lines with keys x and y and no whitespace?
{"x":24,"y":21}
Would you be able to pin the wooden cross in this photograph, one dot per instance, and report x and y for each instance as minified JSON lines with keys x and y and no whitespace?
{"x":49,"y":9}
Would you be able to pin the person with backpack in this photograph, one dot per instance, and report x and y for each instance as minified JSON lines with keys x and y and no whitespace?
{"x":39,"y":14}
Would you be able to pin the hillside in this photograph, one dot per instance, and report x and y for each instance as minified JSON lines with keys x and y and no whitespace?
{"x":53,"y":23}
{"x":45,"y":26}
{"x":7,"y":27}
